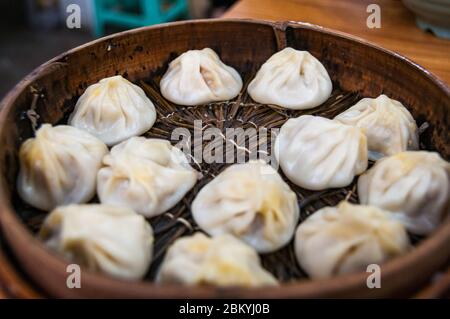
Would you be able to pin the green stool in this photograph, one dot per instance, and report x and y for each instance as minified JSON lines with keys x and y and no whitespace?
{"x":136,"y":13}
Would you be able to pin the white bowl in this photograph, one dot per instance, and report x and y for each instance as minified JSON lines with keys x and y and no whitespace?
{"x":433,"y":15}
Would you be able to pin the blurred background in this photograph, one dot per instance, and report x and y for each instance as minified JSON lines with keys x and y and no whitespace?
{"x":34,"y":31}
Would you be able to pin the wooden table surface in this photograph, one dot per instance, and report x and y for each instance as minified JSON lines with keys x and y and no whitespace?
{"x":398,"y":30}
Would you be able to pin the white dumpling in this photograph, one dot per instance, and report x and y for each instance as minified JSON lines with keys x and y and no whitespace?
{"x":221,"y":261}
{"x":388,"y":125}
{"x":292,"y":79}
{"x":348,"y":238}
{"x":250,"y":201}
{"x":58,"y":166}
{"x":317,"y":153}
{"x":114,"y":109}
{"x":108,"y":239}
{"x":414,"y":186}
{"x":148,"y":175}
{"x":199,"y":77}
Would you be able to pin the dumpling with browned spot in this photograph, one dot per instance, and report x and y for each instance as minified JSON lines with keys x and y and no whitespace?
{"x":107,"y":239}
{"x":58,"y":166}
{"x":221,"y":261}
{"x":113,"y":110}
{"x":148,"y":175}
{"x":413,"y":186}
{"x":388,"y":125}
{"x":250,"y":201}
{"x":347,"y":238}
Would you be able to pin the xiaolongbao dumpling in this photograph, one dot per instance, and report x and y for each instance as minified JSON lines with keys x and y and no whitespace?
{"x":199,"y":77}
{"x":58,"y":166}
{"x":348,"y":238}
{"x":388,"y":125}
{"x":292,"y":79}
{"x":221,"y":261}
{"x":108,"y":239}
{"x":250,"y":201}
{"x":114,"y":109}
{"x":414,"y":186}
{"x":317,"y":153}
{"x":148,"y":175}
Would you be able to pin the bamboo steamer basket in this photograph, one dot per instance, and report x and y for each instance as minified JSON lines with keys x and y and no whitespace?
{"x":357,"y":68}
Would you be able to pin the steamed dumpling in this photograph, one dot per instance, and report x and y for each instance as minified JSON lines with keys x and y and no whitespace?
{"x":388,"y":125}
{"x":58,"y":166}
{"x":414,"y":186}
{"x":250,"y":201}
{"x":348,"y":238}
{"x":108,"y":239}
{"x":292,"y":79}
{"x":114,"y":109}
{"x":221,"y":261}
{"x":148,"y":175}
{"x":199,"y":77}
{"x":317,"y":153}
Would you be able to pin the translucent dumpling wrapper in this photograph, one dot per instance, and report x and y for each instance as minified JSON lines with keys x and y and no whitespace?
{"x":58,"y":166}
{"x":148,"y":175}
{"x":347,"y":238}
{"x":250,"y":201}
{"x":292,"y":79}
{"x":388,"y":125}
{"x":199,"y":77}
{"x":414,"y":186}
{"x":108,"y":239}
{"x":220,"y":261}
{"x":317,"y":153}
{"x":114,"y":109}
